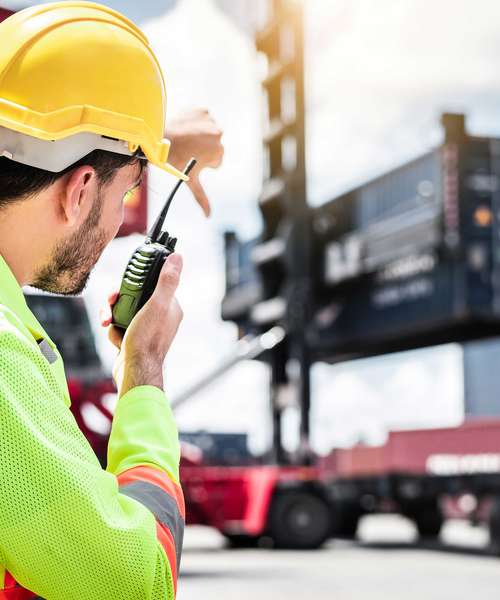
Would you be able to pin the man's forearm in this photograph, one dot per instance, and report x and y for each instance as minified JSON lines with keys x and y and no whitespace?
{"x":141,"y":372}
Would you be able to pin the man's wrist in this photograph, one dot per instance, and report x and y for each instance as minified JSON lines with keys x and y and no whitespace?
{"x":141,"y":372}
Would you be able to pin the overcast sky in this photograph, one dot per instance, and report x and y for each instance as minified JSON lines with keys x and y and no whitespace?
{"x":378,"y":76}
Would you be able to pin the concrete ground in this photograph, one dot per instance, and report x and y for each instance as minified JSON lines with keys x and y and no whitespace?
{"x":385,"y":563}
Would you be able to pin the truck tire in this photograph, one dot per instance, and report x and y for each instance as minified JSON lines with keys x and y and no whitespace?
{"x":299,"y":520}
{"x":428,"y":520}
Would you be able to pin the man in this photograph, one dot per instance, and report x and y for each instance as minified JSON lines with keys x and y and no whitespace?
{"x":81,"y":109}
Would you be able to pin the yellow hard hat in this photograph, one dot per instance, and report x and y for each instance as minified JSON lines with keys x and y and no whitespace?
{"x":78,"y":76}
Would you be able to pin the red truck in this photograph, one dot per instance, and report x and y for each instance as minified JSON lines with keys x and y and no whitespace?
{"x":425,"y":475}
{"x":288,"y":506}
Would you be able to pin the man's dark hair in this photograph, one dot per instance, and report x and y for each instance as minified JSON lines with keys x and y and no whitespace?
{"x":18,"y":181}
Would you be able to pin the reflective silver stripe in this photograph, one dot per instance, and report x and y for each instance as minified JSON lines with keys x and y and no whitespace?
{"x":163,"y":506}
{"x":47,"y":351}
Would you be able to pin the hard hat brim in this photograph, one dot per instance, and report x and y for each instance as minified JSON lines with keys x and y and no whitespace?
{"x":57,"y":155}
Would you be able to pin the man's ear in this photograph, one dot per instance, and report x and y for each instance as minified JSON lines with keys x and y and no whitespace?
{"x":77,"y":194}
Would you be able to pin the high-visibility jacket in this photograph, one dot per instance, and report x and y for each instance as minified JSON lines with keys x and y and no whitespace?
{"x":70,"y":530}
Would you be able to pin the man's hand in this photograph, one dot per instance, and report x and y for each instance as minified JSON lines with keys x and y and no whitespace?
{"x":150,"y":334}
{"x":195,"y":134}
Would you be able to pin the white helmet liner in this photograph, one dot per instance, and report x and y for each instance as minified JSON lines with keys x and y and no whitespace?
{"x":55,"y":156}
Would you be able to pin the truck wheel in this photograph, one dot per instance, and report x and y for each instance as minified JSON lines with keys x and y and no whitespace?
{"x":299,"y":520}
{"x":241,"y":541}
{"x":429,"y":520}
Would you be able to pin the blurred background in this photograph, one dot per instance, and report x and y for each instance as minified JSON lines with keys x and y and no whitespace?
{"x":370,"y":83}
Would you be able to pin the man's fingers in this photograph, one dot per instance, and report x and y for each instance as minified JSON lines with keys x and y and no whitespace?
{"x":115,"y":336}
{"x":216,"y":162}
{"x":214,"y":158}
{"x":105,"y":313}
{"x":199,"y":194}
{"x":105,"y":316}
{"x":113,"y":297}
{"x":168,"y":280}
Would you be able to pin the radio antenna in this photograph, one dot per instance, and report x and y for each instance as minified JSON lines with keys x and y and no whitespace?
{"x":155,"y":230}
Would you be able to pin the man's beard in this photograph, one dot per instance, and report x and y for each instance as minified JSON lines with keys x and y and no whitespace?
{"x":73,"y":259}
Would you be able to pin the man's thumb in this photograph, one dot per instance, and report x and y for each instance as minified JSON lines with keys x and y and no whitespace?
{"x":199,"y":194}
{"x":168,"y":279}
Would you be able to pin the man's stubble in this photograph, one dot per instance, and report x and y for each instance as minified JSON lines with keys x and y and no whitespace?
{"x":73,"y":259}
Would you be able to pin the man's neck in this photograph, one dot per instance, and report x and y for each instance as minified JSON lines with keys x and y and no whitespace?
{"x":23,"y":245}
{"x":8,"y":252}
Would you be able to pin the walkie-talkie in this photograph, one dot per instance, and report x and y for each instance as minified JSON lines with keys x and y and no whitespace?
{"x":143,"y":269}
